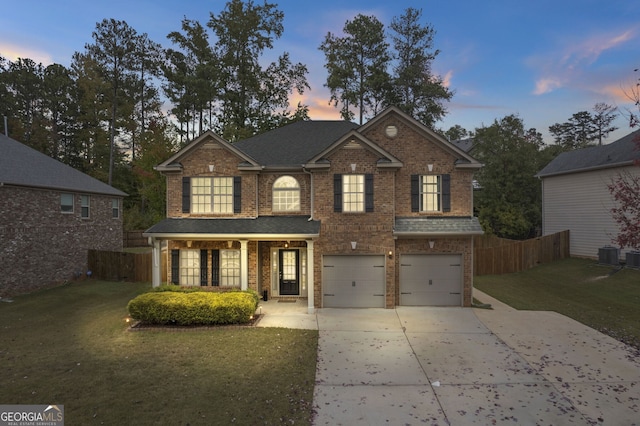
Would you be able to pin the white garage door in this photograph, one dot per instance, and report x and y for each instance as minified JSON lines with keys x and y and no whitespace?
{"x":431,"y":280}
{"x":353,"y":281}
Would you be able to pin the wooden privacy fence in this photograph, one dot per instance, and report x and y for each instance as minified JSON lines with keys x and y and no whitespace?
{"x":134,"y":239}
{"x":121,"y":266}
{"x":494,"y":256}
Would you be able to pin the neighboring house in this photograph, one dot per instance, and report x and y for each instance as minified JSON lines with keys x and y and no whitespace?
{"x":575,"y":194}
{"x":377,"y":215}
{"x":50,"y":215}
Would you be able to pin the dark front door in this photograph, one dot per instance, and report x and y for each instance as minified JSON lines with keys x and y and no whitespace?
{"x":289,"y":273}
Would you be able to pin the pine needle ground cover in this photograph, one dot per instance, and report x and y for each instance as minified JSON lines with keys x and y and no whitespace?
{"x":601,"y":297}
{"x":71,"y":346}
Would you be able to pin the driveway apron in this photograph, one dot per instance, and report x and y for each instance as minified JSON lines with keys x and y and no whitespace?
{"x":463,"y":366}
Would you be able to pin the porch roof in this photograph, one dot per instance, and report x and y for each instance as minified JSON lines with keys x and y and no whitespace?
{"x":437,"y":226}
{"x":260,"y":228}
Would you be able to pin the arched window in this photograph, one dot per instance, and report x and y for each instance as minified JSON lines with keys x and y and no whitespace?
{"x":286,"y":194}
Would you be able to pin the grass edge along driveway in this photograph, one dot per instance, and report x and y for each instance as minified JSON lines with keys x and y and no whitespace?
{"x":602,"y":297}
{"x":70,"y":346}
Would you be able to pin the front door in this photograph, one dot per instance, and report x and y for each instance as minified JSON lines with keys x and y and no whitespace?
{"x":289,"y":273}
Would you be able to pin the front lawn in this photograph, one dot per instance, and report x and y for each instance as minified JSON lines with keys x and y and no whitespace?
{"x":70,"y":346}
{"x":602,"y":297}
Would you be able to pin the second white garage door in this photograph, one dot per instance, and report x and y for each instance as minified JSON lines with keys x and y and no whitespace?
{"x":353,"y":282}
{"x":431,"y":280}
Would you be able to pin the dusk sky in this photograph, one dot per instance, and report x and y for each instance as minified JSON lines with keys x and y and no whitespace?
{"x":543,"y":60}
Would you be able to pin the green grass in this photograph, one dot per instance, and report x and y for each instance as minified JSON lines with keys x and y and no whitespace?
{"x":602,"y":297}
{"x":70,"y":345}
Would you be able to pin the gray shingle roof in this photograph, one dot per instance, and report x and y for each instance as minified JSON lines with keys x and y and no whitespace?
{"x":437,"y":226}
{"x":24,"y":166}
{"x":293,"y":226}
{"x":616,"y":154}
{"x":294,"y":144}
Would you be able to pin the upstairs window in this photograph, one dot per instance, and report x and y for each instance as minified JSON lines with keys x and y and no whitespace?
{"x":286,"y":194}
{"x":212,"y":195}
{"x":353,"y":193}
{"x":218,"y":195}
{"x":85,"y":205}
{"x":66,"y":203}
{"x":430,"y":193}
{"x":115,"y":208}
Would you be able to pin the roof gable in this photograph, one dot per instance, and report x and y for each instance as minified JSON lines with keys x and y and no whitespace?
{"x":21,"y":165}
{"x":623,"y":152}
{"x":173,"y":163}
{"x":354,"y":138}
{"x":463,"y":159}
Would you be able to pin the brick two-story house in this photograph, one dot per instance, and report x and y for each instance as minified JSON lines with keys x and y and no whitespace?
{"x":377,"y":215}
{"x":50,"y":216}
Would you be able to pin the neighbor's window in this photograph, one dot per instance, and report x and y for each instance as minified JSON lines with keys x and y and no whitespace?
{"x":85,"y":203}
{"x":212,"y":195}
{"x":115,"y":208}
{"x":286,"y":194}
{"x":189,"y":267}
{"x":353,"y":193}
{"x":66,"y":203}
{"x":230,"y":268}
{"x":430,"y":193}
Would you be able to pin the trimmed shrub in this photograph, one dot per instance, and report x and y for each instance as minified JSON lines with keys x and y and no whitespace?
{"x":193,"y":308}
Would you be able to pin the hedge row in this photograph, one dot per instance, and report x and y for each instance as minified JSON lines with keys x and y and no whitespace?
{"x":177,"y":307}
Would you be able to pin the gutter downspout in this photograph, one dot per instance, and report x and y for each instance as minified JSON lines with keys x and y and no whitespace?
{"x":311,"y":192}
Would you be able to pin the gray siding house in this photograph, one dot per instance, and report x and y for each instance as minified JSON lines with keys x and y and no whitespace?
{"x":575,"y":194}
{"x":50,"y":215}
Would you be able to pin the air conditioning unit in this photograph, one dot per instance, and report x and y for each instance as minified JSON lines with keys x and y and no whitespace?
{"x":633,"y":259}
{"x":608,"y":255}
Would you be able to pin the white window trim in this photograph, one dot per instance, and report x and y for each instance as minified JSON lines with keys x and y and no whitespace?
{"x":229,"y":276}
{"x":211,"y":198}
{"x":425,"y":195}
{"x":72,"y":203}
{"x":349,"y":204}
{"x":293,"y":201}
{"x":190,"y":267}
{"x":83,"y":206}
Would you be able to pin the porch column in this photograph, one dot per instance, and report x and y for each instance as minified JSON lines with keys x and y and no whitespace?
{"x":156,"y":262}
{"x":310,"y":279}
{"x":244,"y":265}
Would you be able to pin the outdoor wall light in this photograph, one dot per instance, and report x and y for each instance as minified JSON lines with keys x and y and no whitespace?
{"x":390,"y":254}
{"x":286,"y":245}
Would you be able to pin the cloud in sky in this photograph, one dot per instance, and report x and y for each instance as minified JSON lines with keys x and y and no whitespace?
{"x":12,"y":52}
{"x":568,"y":65}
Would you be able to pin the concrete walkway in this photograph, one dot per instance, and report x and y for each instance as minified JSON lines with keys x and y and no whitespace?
{"x":464,"y":366}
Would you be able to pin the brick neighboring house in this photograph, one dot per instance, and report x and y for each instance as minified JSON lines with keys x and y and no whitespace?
{"x":377,"y":215}
{"x":50,"y":215}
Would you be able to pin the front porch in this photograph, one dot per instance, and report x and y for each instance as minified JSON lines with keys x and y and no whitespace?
{"x":223,"y":254}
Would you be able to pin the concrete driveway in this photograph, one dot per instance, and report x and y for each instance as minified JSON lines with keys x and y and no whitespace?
{"x":461,"y":366}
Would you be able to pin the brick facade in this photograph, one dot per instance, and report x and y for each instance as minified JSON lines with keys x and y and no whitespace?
{"x":412,"y":150}
{"x":41,"y":246}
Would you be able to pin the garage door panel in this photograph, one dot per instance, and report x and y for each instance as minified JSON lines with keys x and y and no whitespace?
{"x":353,"y":281}
{"x":431,"y":280}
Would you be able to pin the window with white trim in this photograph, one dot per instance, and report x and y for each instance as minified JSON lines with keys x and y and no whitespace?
{"x":230,"y":268}
{"x":212,"y":195}
{"x":189,"y":267}
{"x":85,"y":206}
{"x":115,"y":208}
{"x":353,"y":193}
{"x":430,"y":193}
{"x":66,"y":203}
{"x":286,"y":194}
